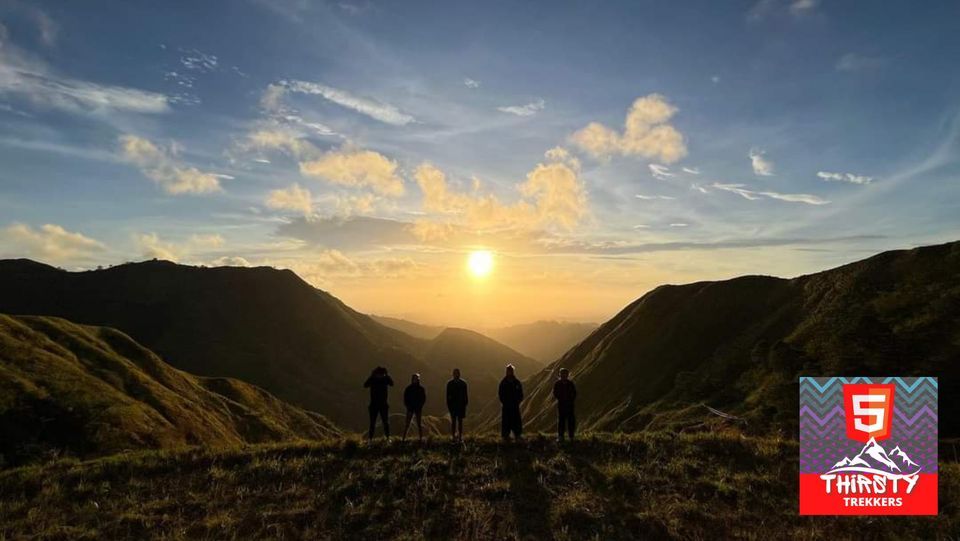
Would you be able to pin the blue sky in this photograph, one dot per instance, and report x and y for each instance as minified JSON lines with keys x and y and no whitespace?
{"x":370,"y":146}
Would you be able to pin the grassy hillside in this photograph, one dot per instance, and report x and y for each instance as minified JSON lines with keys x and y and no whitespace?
{"x":260,"y":325}
{"x":646,"y":486}
{"x":66,"y":388}
{"x":544,"y":341}
{"x":739,"y":345}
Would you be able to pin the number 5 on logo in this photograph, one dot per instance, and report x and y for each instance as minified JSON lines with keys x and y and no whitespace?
{"x":869,"y":410}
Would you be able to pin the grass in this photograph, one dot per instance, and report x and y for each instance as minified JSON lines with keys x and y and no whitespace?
{"x":639,"y":486}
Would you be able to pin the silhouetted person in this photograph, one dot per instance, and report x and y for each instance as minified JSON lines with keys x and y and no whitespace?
{"x":511,"y":394}
{"x":457,"y":404}
{"x":565,"y":392}
{"x":414,"y":397}
{"x":378,"y":382}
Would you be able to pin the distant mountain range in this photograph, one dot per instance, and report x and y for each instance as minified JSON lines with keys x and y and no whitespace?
{"x":260,"y":325}
{"x":544,"y":341}
{"x":93,"y":390}
{"x":740,"y":345}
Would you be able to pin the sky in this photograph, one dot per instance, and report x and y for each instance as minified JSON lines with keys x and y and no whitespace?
{"x":595,"y":149}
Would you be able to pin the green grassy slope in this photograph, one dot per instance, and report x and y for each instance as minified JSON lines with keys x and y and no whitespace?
{"x":644,"y":486}
{"x":739,"y":345}
{"x":93,"y":390}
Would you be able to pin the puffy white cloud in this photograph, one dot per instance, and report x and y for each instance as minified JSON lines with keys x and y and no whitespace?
{"x":230,"y":261}
{"x":844,"y":177}
{"x":383,"y":112}
{"x":647,"y":133}
{"x":160,"y":165}
{"x":356,"y":168}
{"x":529,"y":109}
{"x":151,"y":246}
{"x":761,"y":165}
{"x":50,"y":243}
{"x":293,"y":198}
{"x":552,"y":195}
{"x":471,"y":83}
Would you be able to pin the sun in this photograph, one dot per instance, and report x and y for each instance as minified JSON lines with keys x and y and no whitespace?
{"x":480,"y":263}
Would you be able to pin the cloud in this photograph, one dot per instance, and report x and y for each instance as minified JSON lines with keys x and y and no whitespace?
{"x":30,"y":79}
{"x":751,"y":195}
{"x":802,"y":7}
{"x":151,"y":246}
{"x":50,"y":242}
{"x":349,"y":233}
{"x":844,"y":177}
{"x":646,"y":133}
{"x":230,"y":261}
{"x":529,"y":109}
{"x":617,"y":248}
{"x":160,"y":165}
{"x":857,"y":62}
{"x":383,"y":112}
{"x":292,"y":198}
{"x":356,"y":168}
{"x":654,"y":197}
{"x":551,"y":195}
{"x":679,"y":224}
{"x":471,"y":83}
{"x":761,"y":165}
{"x":766,"y":8}
{"x":660,"y":172}
{"x":321,"y":267}
{"x":691,"y":170}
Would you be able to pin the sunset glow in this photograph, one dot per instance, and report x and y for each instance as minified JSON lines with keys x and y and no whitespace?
{"x":480,"y":263}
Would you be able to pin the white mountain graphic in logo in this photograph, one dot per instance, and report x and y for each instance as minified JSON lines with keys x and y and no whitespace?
{"x":873,"y":458}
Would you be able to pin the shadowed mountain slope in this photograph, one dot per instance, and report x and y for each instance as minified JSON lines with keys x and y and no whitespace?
{"x":261,"y":325}
{"x":739,"y":345}
{"x":93,"y":390}
{"x":417,"y":330}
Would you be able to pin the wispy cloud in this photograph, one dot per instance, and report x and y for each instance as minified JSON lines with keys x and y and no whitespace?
{"x":471,"y":83}
{"x":529,"y":109}
{"x":647,"y":133}
{"x":752,"y":195}
{"x":161,"y":165}
{"x":376,"y":110}
{"x":859,"y":62}
{"x":660,"y":172}
{"x":31,"y":80}
{"x":761,"y":165}
{"x":844,"y":177}
{"x":691,"y":170}
{"x":654,"y":197}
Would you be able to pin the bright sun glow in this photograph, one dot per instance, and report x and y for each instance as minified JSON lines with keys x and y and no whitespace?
{"x":480,"y":263}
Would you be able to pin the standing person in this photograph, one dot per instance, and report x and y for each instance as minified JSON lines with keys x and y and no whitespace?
{"x":457,"y":404}
{"x":378,"y":382}
{"x":511,"y":394}
{"x":565,"y":392}
{"x":414,"y":397}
